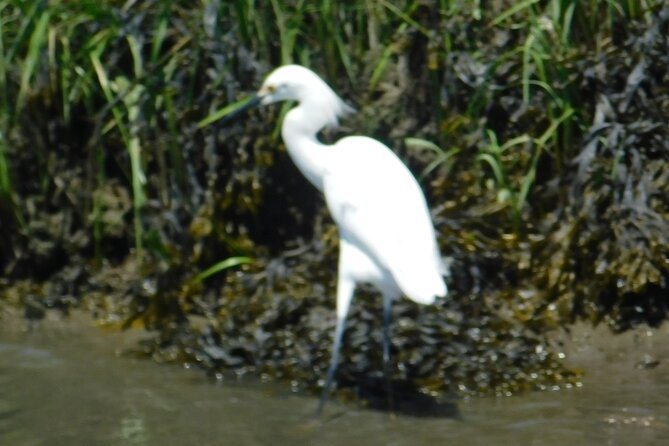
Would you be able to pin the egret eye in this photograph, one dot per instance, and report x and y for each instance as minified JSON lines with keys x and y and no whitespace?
{"x":271,"y":89}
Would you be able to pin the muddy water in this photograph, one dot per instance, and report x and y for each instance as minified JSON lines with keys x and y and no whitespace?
{"x":63,"y":383}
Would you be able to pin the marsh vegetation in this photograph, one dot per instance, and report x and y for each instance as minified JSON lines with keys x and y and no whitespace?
{"x":537,"y":129}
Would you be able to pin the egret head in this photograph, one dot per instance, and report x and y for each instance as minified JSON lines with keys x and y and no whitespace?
{"x":297,"y":83}
{"x":286,"y":83}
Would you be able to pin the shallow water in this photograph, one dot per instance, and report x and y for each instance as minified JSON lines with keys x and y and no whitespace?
{"x":62,"y":383}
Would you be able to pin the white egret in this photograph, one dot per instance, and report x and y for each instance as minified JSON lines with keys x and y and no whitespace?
{"x":386,"y":235}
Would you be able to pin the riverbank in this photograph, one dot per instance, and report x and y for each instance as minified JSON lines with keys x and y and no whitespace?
{"x":68,"y":383}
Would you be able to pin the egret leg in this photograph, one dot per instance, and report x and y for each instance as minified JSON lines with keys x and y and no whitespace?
{"x":345,"y":289}
{"x":334,"y":361}
{"x":387,"y":305}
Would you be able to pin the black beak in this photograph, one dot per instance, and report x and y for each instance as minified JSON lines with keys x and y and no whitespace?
{"x":252,"y":102}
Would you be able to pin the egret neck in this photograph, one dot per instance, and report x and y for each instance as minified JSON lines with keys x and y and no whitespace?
{"x":304,"y":148}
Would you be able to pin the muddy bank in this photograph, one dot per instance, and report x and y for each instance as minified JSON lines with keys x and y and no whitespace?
{"x":599,"y":352}
{"x":72,"y":383}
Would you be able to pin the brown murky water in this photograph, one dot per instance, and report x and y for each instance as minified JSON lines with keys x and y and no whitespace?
{"x":61,"y":383}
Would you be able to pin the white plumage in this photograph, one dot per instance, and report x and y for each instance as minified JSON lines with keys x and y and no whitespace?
{"x":386,"y":235}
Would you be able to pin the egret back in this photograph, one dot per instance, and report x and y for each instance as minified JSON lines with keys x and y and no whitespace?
{"x":379,"y":206}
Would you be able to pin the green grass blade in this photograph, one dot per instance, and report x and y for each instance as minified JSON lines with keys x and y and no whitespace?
{"x":512,"y":11}
{"x":551,"y":130}
{"x":22,"y":35}
{"x":4,"y":66}
{"x":381,"y":65}
{"x":405,"y":17}
{"x":228,"y":263}
{"x":419,"y":143}
{"x":5,"y":182}
{"x":158,"y":38}
{"x":32,"y":60}
{"x":495,"y":166}
{"x":223,"y":112}
{"x":136,"y":51}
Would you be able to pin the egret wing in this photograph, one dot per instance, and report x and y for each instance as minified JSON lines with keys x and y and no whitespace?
{"x":378,"y":205}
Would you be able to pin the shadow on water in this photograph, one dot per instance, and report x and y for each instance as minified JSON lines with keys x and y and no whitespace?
{"x":6,"y":417}
{"x":407,"y":399}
